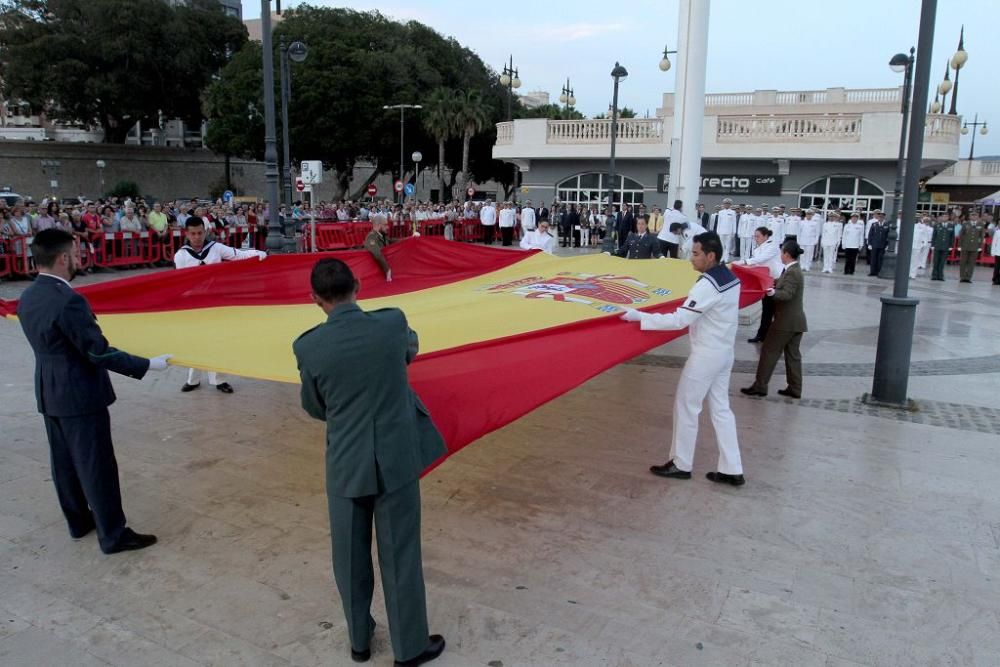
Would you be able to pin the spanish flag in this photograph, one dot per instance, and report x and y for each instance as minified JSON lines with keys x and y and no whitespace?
{"x":501,"y":331}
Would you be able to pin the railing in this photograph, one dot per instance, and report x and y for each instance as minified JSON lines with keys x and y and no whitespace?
{"x":728,"y":99}
{"x":990,"y":168}
{"x":630,"y":131}
{"x":505,"y":133}
{"x":873,"y":95}
{"x":802,"y":128}
{"x":942,"y":128}
{"x":967,"y":169}
{"x":802,"y":97}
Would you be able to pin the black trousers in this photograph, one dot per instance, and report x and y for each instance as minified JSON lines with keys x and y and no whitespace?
{"x":507,"y":235}
{"x":851,"y":255}
{"x":85,"y":474}
{"x":875,"y":260}
{"x":996,"y":270}
{"x":565,"y":236}
{"x":940,"y":257}
{"x":766,"y":316}
{"x":670,"y":249}
{"x":489,"y":231}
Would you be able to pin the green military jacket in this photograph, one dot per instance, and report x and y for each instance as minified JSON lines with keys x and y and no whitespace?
{"x":972,"y":236}
{"x":943,"y":236}
{"x":379,"y":436}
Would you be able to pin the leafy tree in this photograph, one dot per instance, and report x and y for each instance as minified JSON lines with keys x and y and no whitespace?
{"x":114,"y":62}
{"x":624,"y":112}
{"x":552,"y":112}
{"x":471,"y":115}
{"x":439,"y":120}
{"x":124,"y":189}
{"x":235,"y":105}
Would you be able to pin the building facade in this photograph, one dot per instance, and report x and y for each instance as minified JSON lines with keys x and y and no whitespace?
{"x":832,"y":149}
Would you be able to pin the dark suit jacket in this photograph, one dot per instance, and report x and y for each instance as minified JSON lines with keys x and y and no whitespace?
{"x":646,"y":246}
{"x":626,"y":224}
{"x":353,"y":370}
{"x":878,"y":236}
{"x":543,"y":214}
{"x":72,"y":357}
{"x":705,"y":219}
{"x":789,"y":314}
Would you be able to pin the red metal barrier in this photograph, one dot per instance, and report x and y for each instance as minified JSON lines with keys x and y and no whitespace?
{"x":986,"y":256}
{"x":125,"y":249}
{"x":22,"y":263}
{"x":174,"y":241}
{"x":5,"y":259}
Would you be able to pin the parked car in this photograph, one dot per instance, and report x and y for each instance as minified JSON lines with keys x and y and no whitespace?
{"x":11,"y":198}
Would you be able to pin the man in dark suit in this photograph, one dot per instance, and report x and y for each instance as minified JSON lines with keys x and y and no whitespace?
{"x":640,"y":244}
{"x":878,"y":239}
{"x":379,"y":439}
{"x":785,"y":334}
{"x":703,"y":217}
{"x":626,"y":225}
{"x":73,"y":390}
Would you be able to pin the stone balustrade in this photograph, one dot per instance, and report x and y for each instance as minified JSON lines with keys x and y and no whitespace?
{"x":630,"y":131}
{"x":788,"y":128}
{"x":505,"y":133}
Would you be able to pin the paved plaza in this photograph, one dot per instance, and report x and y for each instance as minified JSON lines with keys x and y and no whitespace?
{"x":864,"y":536}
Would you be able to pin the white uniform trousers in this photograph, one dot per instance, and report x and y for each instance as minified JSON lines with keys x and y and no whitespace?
{"x":727,"y":246}
{"x":829,"y":258}
{"x":705,"y":375}
{"x":584,"y":237}
{"x":922,"y":252}
{"x":914,"y":262}
{"x":746,"y":243}
{"x":806,"y":260}
{"x":194,"y":377}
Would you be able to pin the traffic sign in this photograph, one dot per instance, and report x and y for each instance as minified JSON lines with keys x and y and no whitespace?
{"x":227,"y":196}
{"x":398,"y":186}
{"x":300,"y":184}
{"x":470,"y":191}
{"x":409,"y":189}
{"x":372,"y":190}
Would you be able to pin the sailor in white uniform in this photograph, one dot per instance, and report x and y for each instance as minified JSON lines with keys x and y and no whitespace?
{"x":726,"y":227}
{"x":830,"y":239}
{"x":711,"y":310}
{"x":919,"y":247}
{"x":749,"y":221}
{"x":539,"y":239}
{"x":808,"y":238}
{"x":776,"y":223}
{"x":198,"y":253}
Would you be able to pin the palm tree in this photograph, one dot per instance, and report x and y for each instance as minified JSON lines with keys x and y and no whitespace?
{"x":439,"y":120}
{"x":471,"y":116}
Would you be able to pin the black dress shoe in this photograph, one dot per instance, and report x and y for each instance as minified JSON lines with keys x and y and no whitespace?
{"x":755,"y":340}
{"x":190,"y":387}
{"x":131,"y":541}
{"x":785,"y":392}
{"x":723,"y":478}
{"x":435,"y":647}
{"x":365,"y":655}
{"x":750,"y":391}
{"x":668,"y":469}
{"x":80,"y":534}
{"x":225,"y":388}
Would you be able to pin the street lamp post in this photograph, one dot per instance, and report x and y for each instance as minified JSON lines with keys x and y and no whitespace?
{"x":983,"y":130}
{"x":957,"y":62}
{"x":567,"y":98}
{"x":899,"y":63}
{"x":101,"y":164}
{"x":945,"y":86}
{"x":510,"y":79}
{"x":416,"y":157}
{"x":895,"y":335}
{"x":665,"y":60}
{"x":402,"y":135}
{"x":610,"y":231}
{"x":274,"y":235}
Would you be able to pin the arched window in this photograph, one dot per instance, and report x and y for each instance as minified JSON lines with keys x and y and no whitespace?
{"x":591,"y":189}
{"x":842,"y":193}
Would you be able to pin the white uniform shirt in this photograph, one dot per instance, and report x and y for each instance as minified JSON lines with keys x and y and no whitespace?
{"x":767,"y":254}
{"x":488,"y":215}
{"x":919,"y":235}
{"x":539,"y":240}
{"x":726,"y":224}
{"x":809,"y":232}
{"x":832,"y":231}
{"x":508,"y":216}
{"x":711,"y":310}
{"x":747,"y":224}
{"x":995,"y":244}
{"x":528,"y":219}
{"x":670,"y":217}
{"x":792,"y":225}
{"x":776,"y":224}
{"x":854,"y":235}
{"x":212,"y":253}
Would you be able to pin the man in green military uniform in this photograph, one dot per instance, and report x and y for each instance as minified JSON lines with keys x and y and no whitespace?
{"x":380,"y":437}
{"x":941,"y":240}
{"x":970,"y":243}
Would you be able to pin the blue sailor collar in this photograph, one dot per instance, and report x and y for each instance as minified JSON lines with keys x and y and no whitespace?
{"x":721,"y":278}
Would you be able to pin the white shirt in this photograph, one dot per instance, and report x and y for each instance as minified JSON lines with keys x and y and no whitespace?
{"x":995,"y":244}
{"x":536,"y":239}
{"x":919,"y":235}
{"x":212,"y":253}
{"x":767,"y":254}
{"x":832,"y":231}
{"x":669,"y":217}
{"x":854,"y":235}
{"x":710,"y":310}
{"x":747,"y":224}
{"x":528,"y":218}
{"x":776,"y":224}
{"x":809,"y":232}
{"x":42,"y":273}
{"x":508,"y":216}
{"x":488,"y":215}
{"x":792,"y":225}
{"x":726,"y":222}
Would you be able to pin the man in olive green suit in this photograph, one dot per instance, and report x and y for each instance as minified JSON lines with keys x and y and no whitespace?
{"x":785,"y":333}
{"x":942,"y":239}
{"x":379,"y":439}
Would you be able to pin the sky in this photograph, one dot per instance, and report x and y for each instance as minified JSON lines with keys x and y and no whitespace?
{"x":767,"y":44}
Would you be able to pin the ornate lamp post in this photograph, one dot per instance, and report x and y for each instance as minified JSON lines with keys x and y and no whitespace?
{"x":957,"y":62}
{"x":509,"y":78}
{"x":567,"y":97}
{"x":983,"y":130}
{"x":402,"y":136}
{"x":899,"y":63}
{"x":274,"y":235}
{"x":618,"y":73}
{"x":665,"y":60}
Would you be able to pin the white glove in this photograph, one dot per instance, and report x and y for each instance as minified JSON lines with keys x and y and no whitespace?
{"x":261,"y":255}
{"x":388,"y":276}
{"x":770,"y":291}
{"x":160,"y":363}
{"x":606,"y":253}
{"x":632,"y":315}
{"x":416,"y":234}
